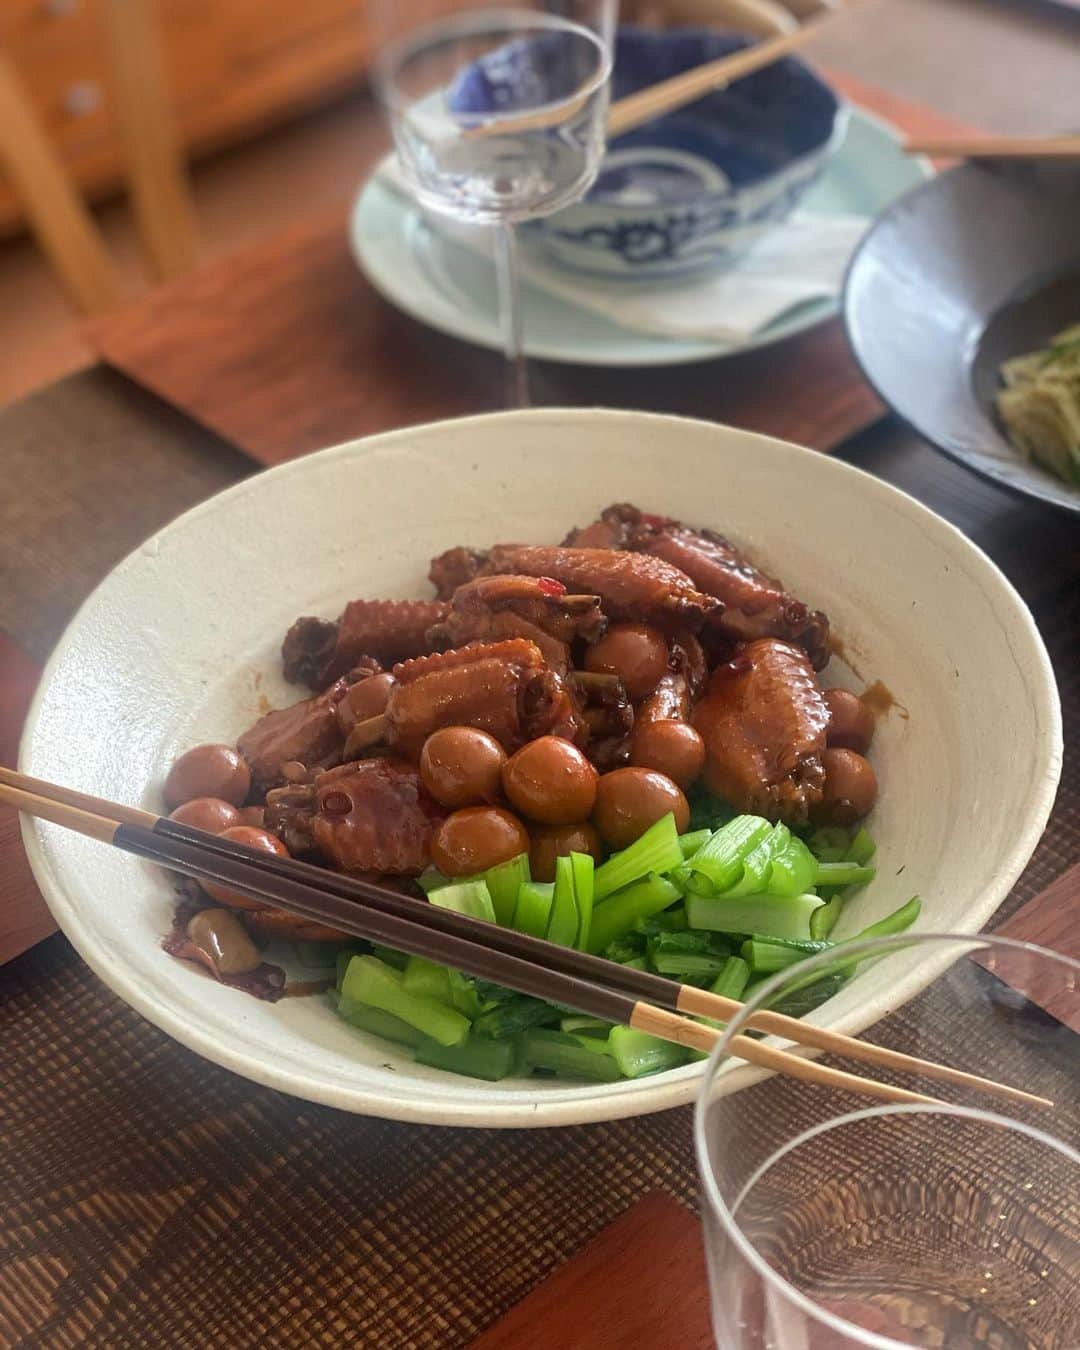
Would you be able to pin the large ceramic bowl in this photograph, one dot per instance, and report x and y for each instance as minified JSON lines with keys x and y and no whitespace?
{"x":180,"y":645}
{"x":698,"y":187}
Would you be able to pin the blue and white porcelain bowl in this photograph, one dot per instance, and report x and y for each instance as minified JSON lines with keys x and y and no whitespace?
{"x":697,"y":188}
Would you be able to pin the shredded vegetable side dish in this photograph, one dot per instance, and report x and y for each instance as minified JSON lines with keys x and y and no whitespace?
{"x":1040,"y":404}
{"x":622,"y":744}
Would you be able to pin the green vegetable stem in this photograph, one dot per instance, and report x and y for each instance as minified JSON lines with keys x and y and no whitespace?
{"x":656,"y":851}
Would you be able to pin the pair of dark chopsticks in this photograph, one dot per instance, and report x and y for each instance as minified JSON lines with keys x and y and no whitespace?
{"x":545,"y":970}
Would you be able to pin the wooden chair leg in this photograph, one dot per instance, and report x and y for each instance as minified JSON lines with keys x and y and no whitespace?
{"x":63,"y":226}
{"x":159,"y":186}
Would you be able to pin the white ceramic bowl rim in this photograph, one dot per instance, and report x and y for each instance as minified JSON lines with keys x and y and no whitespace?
{"x":572,"y":1105}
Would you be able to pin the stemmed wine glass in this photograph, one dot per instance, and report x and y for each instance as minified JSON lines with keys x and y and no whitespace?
{"x":498,"y":116}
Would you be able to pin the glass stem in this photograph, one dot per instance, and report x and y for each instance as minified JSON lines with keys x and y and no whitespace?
{"x":506,"y":270}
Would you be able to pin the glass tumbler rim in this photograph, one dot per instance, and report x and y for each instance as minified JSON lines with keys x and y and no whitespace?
{"x":715,"y":1202}
{"x":391,"y":60}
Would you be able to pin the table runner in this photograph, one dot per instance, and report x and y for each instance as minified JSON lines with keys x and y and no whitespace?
{"x":287,"y":348}
{"x":153,"y":1199}
{"x":658,"y":1300}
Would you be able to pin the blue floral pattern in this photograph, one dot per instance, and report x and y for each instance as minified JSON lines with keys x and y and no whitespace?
{"x":768,"y":135}
{"x":667,"y":236}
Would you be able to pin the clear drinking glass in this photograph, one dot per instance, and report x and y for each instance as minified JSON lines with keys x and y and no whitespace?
{"x":498,"y":115}
{"x":834,"y":1221}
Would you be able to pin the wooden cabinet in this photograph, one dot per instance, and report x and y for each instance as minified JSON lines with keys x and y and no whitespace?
{"x":236,"y":67}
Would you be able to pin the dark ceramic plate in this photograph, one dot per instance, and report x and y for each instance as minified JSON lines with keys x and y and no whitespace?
{"x":977,"y":265}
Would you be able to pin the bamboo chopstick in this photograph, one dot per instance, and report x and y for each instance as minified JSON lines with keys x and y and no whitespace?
{"x":194,"y":859}
{"x":93,"y":815}
{"x":666,"y":95}
{"x":995,"y":147}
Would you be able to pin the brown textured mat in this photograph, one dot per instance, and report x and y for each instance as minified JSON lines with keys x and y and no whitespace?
{"x":89,"y":468}
{"x":153,"y":1199}
{"x":1050,"y":920}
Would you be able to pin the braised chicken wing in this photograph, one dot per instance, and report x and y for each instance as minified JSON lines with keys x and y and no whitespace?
{"x":755,"y":604}
{"x":611,"y":530}
{"x":688,"y":659}
{"x":373,"y":631}
{"x":763,"y":720}
{"x":631,"y":586}
{"x":670,"y":700}
{"x":307,"y":733}
{"x":307,"y":650}
{"x":537,"y":608}
{"x":456,"y":567}
{"x":608,"y":716}
{"x":371,"y":816}
{"x":504,"y":688}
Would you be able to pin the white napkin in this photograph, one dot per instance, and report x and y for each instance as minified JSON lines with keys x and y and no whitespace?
{"x":800,"y":261}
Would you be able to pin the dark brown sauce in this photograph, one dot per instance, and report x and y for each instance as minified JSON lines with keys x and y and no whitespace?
{"x":305,"y":988}
{"x":266,"y":981}
{"x":881,"y":701}
{"x":262,"y":703}
{"x":838,"y":647}
{"x":878,"y":697}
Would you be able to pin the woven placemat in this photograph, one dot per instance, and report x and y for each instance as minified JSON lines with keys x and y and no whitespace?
{"x":90,"y":468}
{"x":153,"y":1199}
{"x":24,"y":919}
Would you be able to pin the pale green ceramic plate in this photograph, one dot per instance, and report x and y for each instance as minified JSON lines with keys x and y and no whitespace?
{"x":446,"y":286}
